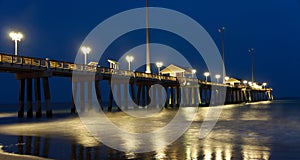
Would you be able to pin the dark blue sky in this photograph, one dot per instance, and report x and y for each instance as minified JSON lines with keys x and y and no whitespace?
{"x":55,"y":29}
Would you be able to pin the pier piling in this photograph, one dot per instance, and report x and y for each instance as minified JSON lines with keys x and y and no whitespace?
{"x":29,"y":98}
{"x":82,"y":96}
{"x":74,"y":97}
{"x":126,"y":95}
{"x":21,"y":98}
{"x":89,"y":94}
{"x":47,"y":97}
{"x":110,"y":98}
{"x":37,"y":91}
{"x":98,"y":93}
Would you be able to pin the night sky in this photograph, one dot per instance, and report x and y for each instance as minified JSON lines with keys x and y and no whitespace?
{"x":55,"y":29}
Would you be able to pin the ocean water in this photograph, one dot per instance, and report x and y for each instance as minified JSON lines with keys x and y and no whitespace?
{"x":248,"y":132}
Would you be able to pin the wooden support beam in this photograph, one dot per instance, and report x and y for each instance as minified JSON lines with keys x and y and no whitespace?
{"x":178,"y":99}
{"x":201,"y":95}
{"x":167,"y":97}
{"x":159,"y":96}
{"x":119,"y":97}
{"x":37,"y":91}
{"x":182,"y":97}
{"x":153,"y":97}
{"x":125,"y":85}
{"x":143,"y":96}
{"x":139,"y":95}
{"x":21,"y":98}
{"x":98,"y":93}
{"x":82,"y":96}
{"x":148,"y":98}
{"x":110,"y":98}
{"x":172,"y":97}
{"x":29,"y":98}
{"x":74,"y":97}
{"x":47,"y":97}
{"x":209,"y":89}
{"x":187,"y":96}
{"x":193,"y":96}
{"x":133,"y":97}
{"x":89,"y":94}
{"x":207,"y":96}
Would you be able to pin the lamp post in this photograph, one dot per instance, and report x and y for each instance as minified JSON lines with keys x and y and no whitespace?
{"x":148,"y":69}
{"x":218,"y":77}
{"x":194,"y":71}
{"x":264,"y":85}
{"x":226,"y":78}
{"x":251,"y":51}
{"x":250,"y":84}
{"x":85,"y":50}
{"x":222,"y":30}
{"x":159,"y":65}
{"x":245,"y":82}
{"x":206,"y":74}
{"x":129,"y":59}
{"x":16,"y":37}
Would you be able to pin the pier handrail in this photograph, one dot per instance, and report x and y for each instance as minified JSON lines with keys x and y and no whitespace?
{"x":45,"y":63}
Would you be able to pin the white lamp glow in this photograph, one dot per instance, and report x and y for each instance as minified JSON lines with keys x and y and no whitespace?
{"x":16,"y":37}
{"x":206,"y":74}
{"x":129,"y":59}
{"x":85,"y":50}
{"x":159,"y":65}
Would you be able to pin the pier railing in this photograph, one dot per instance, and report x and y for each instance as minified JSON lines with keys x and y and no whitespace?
{"x":44,"y":63}
{"x":12,"y":61}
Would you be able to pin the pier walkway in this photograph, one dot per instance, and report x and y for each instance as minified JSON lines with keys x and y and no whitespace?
{"x":180,"y":91}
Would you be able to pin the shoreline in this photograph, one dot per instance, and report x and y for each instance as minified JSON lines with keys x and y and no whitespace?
{"x":56,"y":127}
{"x":12,"y":156}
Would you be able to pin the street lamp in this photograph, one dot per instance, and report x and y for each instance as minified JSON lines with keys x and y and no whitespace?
{"x":159,"y":65}
{"x":206,"y":74}
{"x":129,"y":59}
{"x":16,"y":37}
{"x":218,"y":77}
{"x":193,"y":73}
{"x":250,"y":83}
{"x":245,"y":82}
{"x":226,"y":78}
{"x":264,"y":85}
{"x":85,"y":50}
{"x":251,"y":51}
{"x":222,"y":30}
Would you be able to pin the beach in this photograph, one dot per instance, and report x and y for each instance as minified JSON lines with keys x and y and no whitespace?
{"x":247,"y":131}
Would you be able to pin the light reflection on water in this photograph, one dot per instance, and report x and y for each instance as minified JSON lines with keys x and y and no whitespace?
{"x":245,"y":132}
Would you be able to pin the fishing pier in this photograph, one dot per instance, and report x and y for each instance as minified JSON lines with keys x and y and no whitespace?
{"x":141,"y":88}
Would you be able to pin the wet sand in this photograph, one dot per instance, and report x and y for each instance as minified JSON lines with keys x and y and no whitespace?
{"x":66,"y":128}
{"x":251,"y":131}
{"x":69,"y":127}
{"x":10,"y":156}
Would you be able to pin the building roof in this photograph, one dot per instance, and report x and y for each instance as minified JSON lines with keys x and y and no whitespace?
{"x":172,"y":69}
{"x":233,"y":80}
{"x":112,"y":61}
{"x":93,"y":64}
